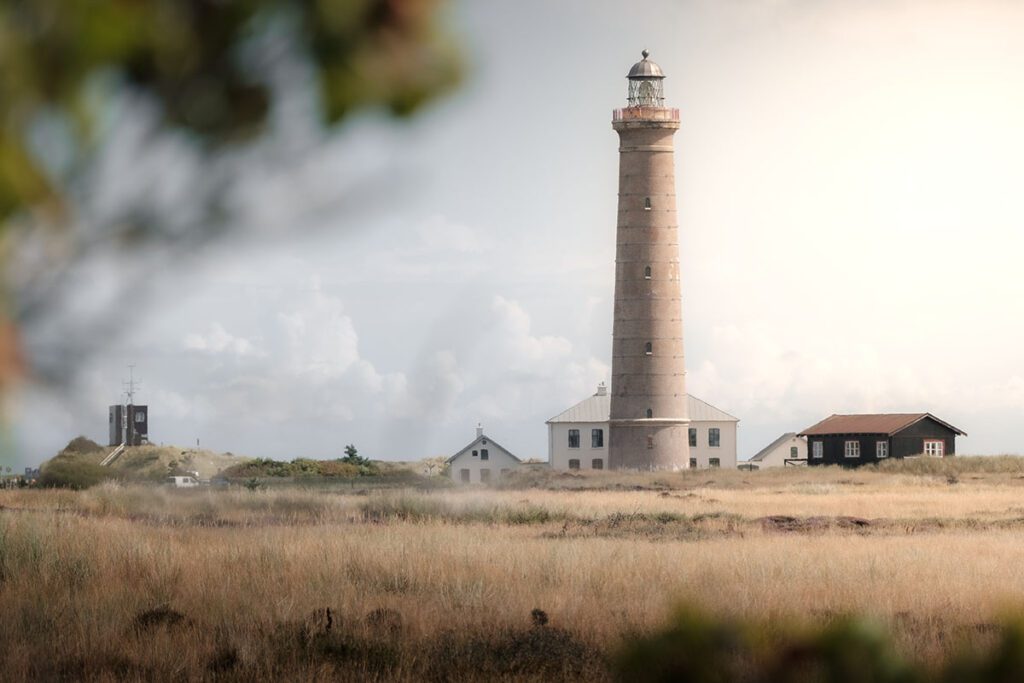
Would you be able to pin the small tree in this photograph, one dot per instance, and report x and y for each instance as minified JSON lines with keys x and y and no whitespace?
{"x":352,"y":457}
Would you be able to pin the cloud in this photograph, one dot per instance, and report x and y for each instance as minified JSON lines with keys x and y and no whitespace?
{"x":440,"y":233}
{"x":220,"y":341}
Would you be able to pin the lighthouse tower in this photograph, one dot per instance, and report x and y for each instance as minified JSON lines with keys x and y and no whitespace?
{"x":649,"y":422}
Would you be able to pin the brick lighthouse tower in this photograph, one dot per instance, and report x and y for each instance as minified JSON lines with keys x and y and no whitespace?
{"x":649,"y":422}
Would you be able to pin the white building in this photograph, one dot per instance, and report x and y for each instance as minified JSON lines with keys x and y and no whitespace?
{"x":578,"y":437}
{"x":789,"y":446}
{"x":483,"y":460}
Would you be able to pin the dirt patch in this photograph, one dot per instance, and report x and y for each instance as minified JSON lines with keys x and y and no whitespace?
{"x":653,"y":526}
{"x":787,"y":524}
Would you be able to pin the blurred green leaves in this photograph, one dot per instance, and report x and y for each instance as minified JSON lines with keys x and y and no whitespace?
{"x":191,"y":56}
{"x":699,"y":648}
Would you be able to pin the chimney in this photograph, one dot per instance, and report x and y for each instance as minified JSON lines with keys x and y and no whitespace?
{"x":602,"y":390}
{"x":479,"y":430}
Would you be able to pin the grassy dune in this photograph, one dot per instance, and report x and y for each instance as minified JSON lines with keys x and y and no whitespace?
{"x":138,"y":583}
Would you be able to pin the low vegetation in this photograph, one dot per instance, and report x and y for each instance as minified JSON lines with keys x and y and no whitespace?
{"x":786,"y":575}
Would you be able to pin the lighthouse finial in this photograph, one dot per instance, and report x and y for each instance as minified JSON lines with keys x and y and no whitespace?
{"x":645,"y":53}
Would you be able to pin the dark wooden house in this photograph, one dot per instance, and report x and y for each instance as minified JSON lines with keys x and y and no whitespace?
{"x":852,"y":440}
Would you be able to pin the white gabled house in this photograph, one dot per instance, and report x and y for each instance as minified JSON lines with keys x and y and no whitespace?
{"x":788,"y":447}
{"x":578,"y":437}
{"x":481,"y":461}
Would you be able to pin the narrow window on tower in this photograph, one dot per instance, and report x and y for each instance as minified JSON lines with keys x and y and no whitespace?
{"x":647,"y":273}
{"x":650,"y":442}
{"x":647,"y":203}
{"x":650,"y":413}
{"x":648,"y":348}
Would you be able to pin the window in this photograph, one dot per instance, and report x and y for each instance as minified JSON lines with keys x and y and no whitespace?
{"x":693,"y":437}
{"x":817,"y":449}
{"x":140,"y":417}
{"x":714,"y":437}
{"x":934,"y":447}
{"x":574,"y":438}
{"x":693,"y":463}
{"x":476,"y":453}
{"x":650,"y":442}
{"x":483,"y":441}
{"x":650,"y":413}
{"x":597,"y":438}
{"x":485,"y":476}
{"x":647,"y":203}
{"x":484,"y":455}
{"x":714,"y":462}
{"x":464,"y":475}
{"x":597,"y":464}
{"x":881,"y":449}
{"x":648,"y":348}
{"x":574,"y":464}
{"x":647,"y":273}
{"x":793,"y":452}
{"x":852,"y":449}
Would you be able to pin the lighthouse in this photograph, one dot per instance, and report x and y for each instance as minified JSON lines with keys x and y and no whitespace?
{"x":648,"y":427}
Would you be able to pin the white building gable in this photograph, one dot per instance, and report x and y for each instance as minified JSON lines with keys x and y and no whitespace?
{"x":789,"y":446}
{"x":578,"y":437}
{"x":481,"y":461}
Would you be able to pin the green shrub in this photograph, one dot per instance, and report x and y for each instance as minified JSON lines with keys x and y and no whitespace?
{"x":73,"y":473}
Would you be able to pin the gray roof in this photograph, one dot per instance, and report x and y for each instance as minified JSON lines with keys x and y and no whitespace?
{"x":490,"y":442}
{"x":598,"y":408}
{"x":645,"y":68}
{"x":771,"y":447}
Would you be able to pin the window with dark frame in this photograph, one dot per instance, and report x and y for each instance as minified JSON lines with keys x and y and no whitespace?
{"x":597,"y":464}
{"x":693,"y":437}
{"x":484,"y":454}
{"x":714,"y":462}
{"x":693,"y":463}
{"x":597,"y":438}
{"x":574,"y":438}
{"x":647,"y":273}
{"x":793,"y":452}
{"x":650,"y":413}
{"x":648,"y":348}
{"x":647,"y":203}
{"x":714,"y":437}
{"x":650,"y":442}
{"x":476,"y":453}
{"x":574,"y":464}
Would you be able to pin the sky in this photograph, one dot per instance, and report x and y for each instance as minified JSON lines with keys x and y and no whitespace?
{"x":848,"y":180}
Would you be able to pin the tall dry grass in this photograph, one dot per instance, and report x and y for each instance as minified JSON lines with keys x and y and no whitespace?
{"x":141,"y":583}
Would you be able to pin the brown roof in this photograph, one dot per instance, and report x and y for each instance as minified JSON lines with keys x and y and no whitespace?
{"x":886,"y":423}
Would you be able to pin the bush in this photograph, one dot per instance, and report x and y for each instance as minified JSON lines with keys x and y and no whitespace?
{"x":337,"y":468}
{"x":80,"y":445}
{"x":73,"y":473}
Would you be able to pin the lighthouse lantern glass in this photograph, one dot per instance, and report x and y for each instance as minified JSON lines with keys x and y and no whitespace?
{"x":646,"y":92}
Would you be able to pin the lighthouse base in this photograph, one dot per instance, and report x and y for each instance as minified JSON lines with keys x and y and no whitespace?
{"x":649,"y":445}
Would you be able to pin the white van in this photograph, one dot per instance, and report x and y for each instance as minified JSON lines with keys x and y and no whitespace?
{"x":182,"y":482}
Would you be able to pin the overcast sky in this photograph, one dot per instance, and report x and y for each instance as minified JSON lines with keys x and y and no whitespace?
{"x":852,"y":224}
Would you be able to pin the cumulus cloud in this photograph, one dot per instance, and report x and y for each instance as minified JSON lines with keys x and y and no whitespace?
{"x":219,"y":341}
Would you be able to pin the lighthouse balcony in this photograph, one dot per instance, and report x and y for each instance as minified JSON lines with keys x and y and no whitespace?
{"x":646,"y":114}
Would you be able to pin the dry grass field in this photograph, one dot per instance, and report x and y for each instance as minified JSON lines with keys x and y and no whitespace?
{"x":142,"y":583}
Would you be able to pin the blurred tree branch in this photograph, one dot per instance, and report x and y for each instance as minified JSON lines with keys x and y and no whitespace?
{"x":207,"y":68}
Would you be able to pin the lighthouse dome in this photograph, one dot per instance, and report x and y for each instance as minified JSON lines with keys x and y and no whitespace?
{"x":645,"y":68}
